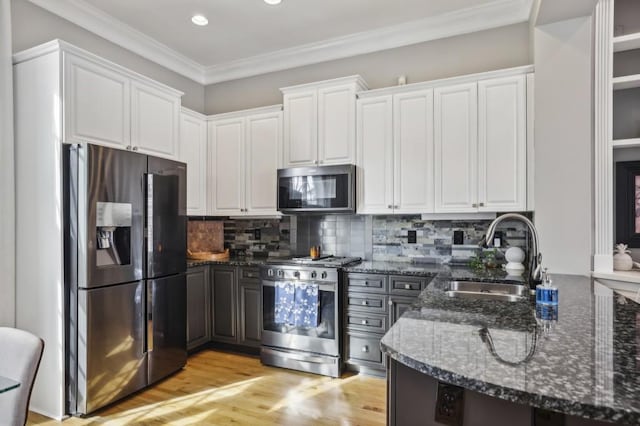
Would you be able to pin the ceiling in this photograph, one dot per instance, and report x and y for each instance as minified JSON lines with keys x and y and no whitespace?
{"x":249,"y":37}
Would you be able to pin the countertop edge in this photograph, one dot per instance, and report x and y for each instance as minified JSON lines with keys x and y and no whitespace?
{"x":572,"y":408}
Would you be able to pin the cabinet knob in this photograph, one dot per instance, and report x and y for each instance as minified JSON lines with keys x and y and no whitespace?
{"x":135,"y":148}
{"x":315,"y":162}
{"x":390,"y":206}
{"x":365,"y":322}
{"x":366,"y":283}
{"x":407,"y":286}
{"x":365,"y":348}
{"x":128,"y":147}
{"x":397,"y":206}
{"x":365,"y":303}
{"x":474,"y":205}
{"x":390,"y":303}
{"x":481,"y":204}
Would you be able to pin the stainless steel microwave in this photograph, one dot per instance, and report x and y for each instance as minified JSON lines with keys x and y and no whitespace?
{"x":324,"y":189}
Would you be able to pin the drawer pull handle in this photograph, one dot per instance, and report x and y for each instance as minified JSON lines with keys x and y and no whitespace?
{"x":365,"y":303}
{"x":407,"y":286}
{"x":365,"y":322}
{"x":366,"y":283}
{"x":365,"y":348}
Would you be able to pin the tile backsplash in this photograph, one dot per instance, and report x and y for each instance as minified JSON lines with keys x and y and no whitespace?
{"x":384,"y":238}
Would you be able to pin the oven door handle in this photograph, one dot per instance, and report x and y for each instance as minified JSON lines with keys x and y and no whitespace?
{"x":321,"y":287}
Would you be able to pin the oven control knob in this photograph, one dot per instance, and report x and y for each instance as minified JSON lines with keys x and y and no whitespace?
{"x":314,"y":274}
{"x":324,"y":274}
{"x":281,"y":273}
{"x":296,"y":274}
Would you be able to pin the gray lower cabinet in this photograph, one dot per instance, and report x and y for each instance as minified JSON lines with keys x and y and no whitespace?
{"x":249,"y":308}
{"x":373,"y":304}
{"x":198,"y":306}
{"x":224,"y":303}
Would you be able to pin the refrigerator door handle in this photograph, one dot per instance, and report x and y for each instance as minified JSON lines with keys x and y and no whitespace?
{"x":149,"y":229}
{"x":149,"y":317}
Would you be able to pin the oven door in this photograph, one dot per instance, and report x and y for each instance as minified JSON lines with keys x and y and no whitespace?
{"x":317,"y":189}
{"x":322,"y":339}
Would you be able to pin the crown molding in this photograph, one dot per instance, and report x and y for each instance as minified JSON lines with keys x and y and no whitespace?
{"x":491,"y":15}
{"x":483,"y":17}
{"x":106,"y":26}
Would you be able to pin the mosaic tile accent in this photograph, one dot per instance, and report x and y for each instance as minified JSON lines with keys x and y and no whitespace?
{"x":273,"y":239}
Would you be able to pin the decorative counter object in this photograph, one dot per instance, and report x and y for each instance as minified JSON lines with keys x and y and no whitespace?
{"x":515,"y":257}
{"x":621,"y":259}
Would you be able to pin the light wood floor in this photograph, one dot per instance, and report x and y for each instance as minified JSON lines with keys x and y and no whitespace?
{"x":219,"y":388}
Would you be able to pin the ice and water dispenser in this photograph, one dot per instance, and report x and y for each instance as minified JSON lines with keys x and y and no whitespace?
{"x":113,"y":229}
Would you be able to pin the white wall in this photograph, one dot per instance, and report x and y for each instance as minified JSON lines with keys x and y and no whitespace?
{"x":7,"y":215}
{"x":33,"y":25}
{"x":470,"y":53}
{"x":564,"y":144}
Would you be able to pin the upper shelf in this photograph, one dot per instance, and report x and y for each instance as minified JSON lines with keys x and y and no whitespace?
{"x":626,"y":42}
{"x":626,"y":82}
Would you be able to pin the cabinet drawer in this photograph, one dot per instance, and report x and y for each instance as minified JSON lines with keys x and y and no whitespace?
{"x":365,"y":350}
{"x":367,"y":322}
{"x":410,"y":286}
{"x":249,"y":273}
{"x":374,"y":303}
{"x":368,"y":283}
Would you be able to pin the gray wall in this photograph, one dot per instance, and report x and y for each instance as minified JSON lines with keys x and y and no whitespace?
{"x":563,"y":144}
{"x":33,"y":25}
{"x":482,"y":51}
{"x":7,"y":191}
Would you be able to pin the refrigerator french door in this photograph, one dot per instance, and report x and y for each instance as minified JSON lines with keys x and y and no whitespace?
{"x":126,"y":326}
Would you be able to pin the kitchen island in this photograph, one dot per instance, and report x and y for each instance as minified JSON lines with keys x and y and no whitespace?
{"x":582,"y":360}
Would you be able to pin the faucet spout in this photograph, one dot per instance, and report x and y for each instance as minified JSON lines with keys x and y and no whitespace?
{"x":535,"y":257}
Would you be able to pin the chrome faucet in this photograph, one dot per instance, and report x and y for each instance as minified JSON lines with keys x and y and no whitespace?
{"x":535,"y":257}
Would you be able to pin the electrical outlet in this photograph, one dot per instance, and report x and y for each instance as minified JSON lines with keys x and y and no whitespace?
{"x":458,"y":237}
{"x":449,"y":405}
{"x":412,"y":236}
{"x":257,"y":235}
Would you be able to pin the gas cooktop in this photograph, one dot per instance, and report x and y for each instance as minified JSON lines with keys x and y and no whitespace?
{"x":325,"y":261}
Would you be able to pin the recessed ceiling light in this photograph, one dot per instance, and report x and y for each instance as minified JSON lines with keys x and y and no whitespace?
{"x":273,"y":2}
{"x":199,"y":20}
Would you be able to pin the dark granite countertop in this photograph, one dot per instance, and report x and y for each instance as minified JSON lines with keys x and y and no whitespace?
{"x":234,"y":261}
{"x":586,"y":363}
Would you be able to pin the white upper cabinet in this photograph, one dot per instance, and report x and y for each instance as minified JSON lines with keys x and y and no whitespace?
{"x":395,"y":153}
{"x":301,"y":128}
{"x":413,"y":152}
{"x":264,"y":153}
{"x":155,"y":117}
{"x":456,"y":148}
{"x":97,"y":101}
{"x":319,"y":122}
{"x":375,"y":155}
{"x":226,"y":166}
{"x":105,"y":104}
{"x":502,"y":144}
{"x":193,"y":152}
{"x":336,"y":125}
{"x":245,"y":152}
{"x":450,"y":146}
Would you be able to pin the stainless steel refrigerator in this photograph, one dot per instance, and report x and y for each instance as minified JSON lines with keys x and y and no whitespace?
{"x":125,"y":273}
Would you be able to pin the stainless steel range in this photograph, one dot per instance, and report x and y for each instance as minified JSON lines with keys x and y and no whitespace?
{"x":302,"y":314}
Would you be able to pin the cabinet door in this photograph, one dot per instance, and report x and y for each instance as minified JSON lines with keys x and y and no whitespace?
{"x":223,"y":302}
{"x":502,"y":144}
{"x":249,"y":314}
{"x":337,"y":125}
{"x":397,"y":306}
{"x":198,"y":309}
{"x":300,"y":129}
{"x":96,"y":105}
{"x":155,"y":118}
{"x":193,"y":152}
{"x":456,"y":148}
{"x":226,"y":166}
{"x":413,"y":152}
{"x":264,"y":151}
{"x":375,"y":155}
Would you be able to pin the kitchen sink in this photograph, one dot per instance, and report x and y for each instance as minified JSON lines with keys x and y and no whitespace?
{"x":487,"y":291}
